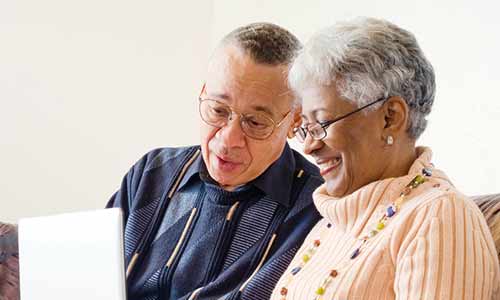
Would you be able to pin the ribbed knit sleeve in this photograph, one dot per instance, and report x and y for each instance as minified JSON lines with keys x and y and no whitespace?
{"x":446,"y":252}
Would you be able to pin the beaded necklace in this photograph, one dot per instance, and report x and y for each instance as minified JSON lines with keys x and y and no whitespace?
{"x":390,"y":211}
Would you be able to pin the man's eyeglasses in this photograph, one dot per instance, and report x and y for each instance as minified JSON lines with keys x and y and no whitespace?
{"x":318,"y":130}
{"x":254,"y":125}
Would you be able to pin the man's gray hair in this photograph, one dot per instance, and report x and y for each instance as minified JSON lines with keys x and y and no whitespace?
{"x":265,"y":43}
{"x":368,"y":59}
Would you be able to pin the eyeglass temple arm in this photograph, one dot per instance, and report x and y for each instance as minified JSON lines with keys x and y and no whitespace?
{"x":352,"y":112}
{"x":202,"y":89}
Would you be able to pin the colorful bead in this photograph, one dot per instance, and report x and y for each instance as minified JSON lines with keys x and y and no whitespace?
{"x":305,"y":258}
{"x":333,"y":273}
{"x":284,"y":291}
{"x":372,"y":233}
{"x":406,"y":191}
{"x":391,"y":211}
{"x":398,"y":202}
{"x":320,"y":291}
{"x":355,"y":253}
{"x":427,"y":172}
{"x":296,"y":270}
{"x":418,"y":180}
{"x":317,"y":243}
{"x":329,"y":225}
{"x":380,"y":225}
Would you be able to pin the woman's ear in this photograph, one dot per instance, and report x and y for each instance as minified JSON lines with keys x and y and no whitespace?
{"x":297,"y":121}
{"x":396,"y":116}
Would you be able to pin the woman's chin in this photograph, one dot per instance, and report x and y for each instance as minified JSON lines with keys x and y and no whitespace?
{"x":335,"y":189}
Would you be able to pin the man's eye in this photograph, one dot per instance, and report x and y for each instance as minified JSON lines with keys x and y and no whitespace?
{"x":255,"y":123}
{"x":219,"y":111}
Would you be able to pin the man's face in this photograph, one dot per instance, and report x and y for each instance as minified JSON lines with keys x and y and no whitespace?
{"x":231,"y":157}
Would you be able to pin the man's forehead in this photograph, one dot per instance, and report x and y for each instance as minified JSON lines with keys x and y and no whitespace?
{"x":231,"y":61}
{"x":251,"y":100}
{"x":220,"y":93}
{"x":240,"y":79}
{"x":237,"y":79}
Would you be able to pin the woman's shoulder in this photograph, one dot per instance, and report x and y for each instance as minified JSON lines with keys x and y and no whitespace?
{"x":440,"y":212}
{"x":444,"y":201}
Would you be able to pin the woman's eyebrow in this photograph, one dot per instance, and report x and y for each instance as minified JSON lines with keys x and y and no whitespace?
{"x":318,"y":110}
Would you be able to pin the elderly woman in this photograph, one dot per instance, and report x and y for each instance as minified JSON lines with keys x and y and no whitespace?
{"x":394,"y":226}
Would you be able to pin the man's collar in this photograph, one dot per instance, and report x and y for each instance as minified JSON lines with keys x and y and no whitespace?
{"x":193,"y":171}
{"x":276,"y":182}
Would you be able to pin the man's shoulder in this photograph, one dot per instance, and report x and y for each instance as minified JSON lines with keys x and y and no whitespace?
{"x":148,"y":178}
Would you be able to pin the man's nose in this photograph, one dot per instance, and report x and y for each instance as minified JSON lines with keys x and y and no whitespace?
{"x":232,"y":134}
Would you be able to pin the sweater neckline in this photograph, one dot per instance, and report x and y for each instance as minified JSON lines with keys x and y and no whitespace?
{"x":351,"y":213}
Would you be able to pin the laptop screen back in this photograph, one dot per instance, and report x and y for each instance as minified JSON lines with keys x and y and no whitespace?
{"x":76,"y":256}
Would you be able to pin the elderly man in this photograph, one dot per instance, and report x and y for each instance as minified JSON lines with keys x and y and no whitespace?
{"x":222,"y":220}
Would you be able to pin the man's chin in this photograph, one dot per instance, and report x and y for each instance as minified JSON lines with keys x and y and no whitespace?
{"x":223,"y":178}
{"x":228,"y":185}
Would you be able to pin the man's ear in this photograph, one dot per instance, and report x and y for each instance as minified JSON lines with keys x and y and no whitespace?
{"x":297,"y":120}
{"x":396,"y":116}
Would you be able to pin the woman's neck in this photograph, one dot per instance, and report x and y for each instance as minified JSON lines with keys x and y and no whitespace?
{"x":403,"y":156}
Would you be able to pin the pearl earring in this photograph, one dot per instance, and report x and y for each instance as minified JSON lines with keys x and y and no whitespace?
{"x":390,"y":140}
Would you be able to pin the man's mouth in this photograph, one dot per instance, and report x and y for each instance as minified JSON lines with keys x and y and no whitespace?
{"x":225,"y":164}
{"x":328,"y":164}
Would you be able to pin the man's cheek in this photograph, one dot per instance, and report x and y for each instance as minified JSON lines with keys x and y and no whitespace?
{"x":207,"y":134}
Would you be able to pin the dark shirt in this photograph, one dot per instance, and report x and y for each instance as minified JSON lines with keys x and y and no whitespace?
{"x":207,"y":239}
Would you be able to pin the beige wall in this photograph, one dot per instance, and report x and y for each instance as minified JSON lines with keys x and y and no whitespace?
{"x":87,"y":87}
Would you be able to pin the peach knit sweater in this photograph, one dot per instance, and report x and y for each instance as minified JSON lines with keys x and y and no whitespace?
{"x":437,"y":246}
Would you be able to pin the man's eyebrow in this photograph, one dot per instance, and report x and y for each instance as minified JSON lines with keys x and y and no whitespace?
{"x":219,"y":96}
{"x":259,"y":108}
{"x":263,"y":109}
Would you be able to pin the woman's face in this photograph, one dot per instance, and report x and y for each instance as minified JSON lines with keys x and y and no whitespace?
{"x":353,"y":153}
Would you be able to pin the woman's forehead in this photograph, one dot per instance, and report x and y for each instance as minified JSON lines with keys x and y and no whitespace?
{"x":323,"y":102}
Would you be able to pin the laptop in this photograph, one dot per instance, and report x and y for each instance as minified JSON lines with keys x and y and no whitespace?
{"x":76,"y":256}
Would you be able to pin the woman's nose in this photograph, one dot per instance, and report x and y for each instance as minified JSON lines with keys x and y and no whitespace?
{"x":311,"y":145}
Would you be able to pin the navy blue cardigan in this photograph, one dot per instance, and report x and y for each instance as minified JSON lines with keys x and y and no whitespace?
{"x":186,"y":238}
